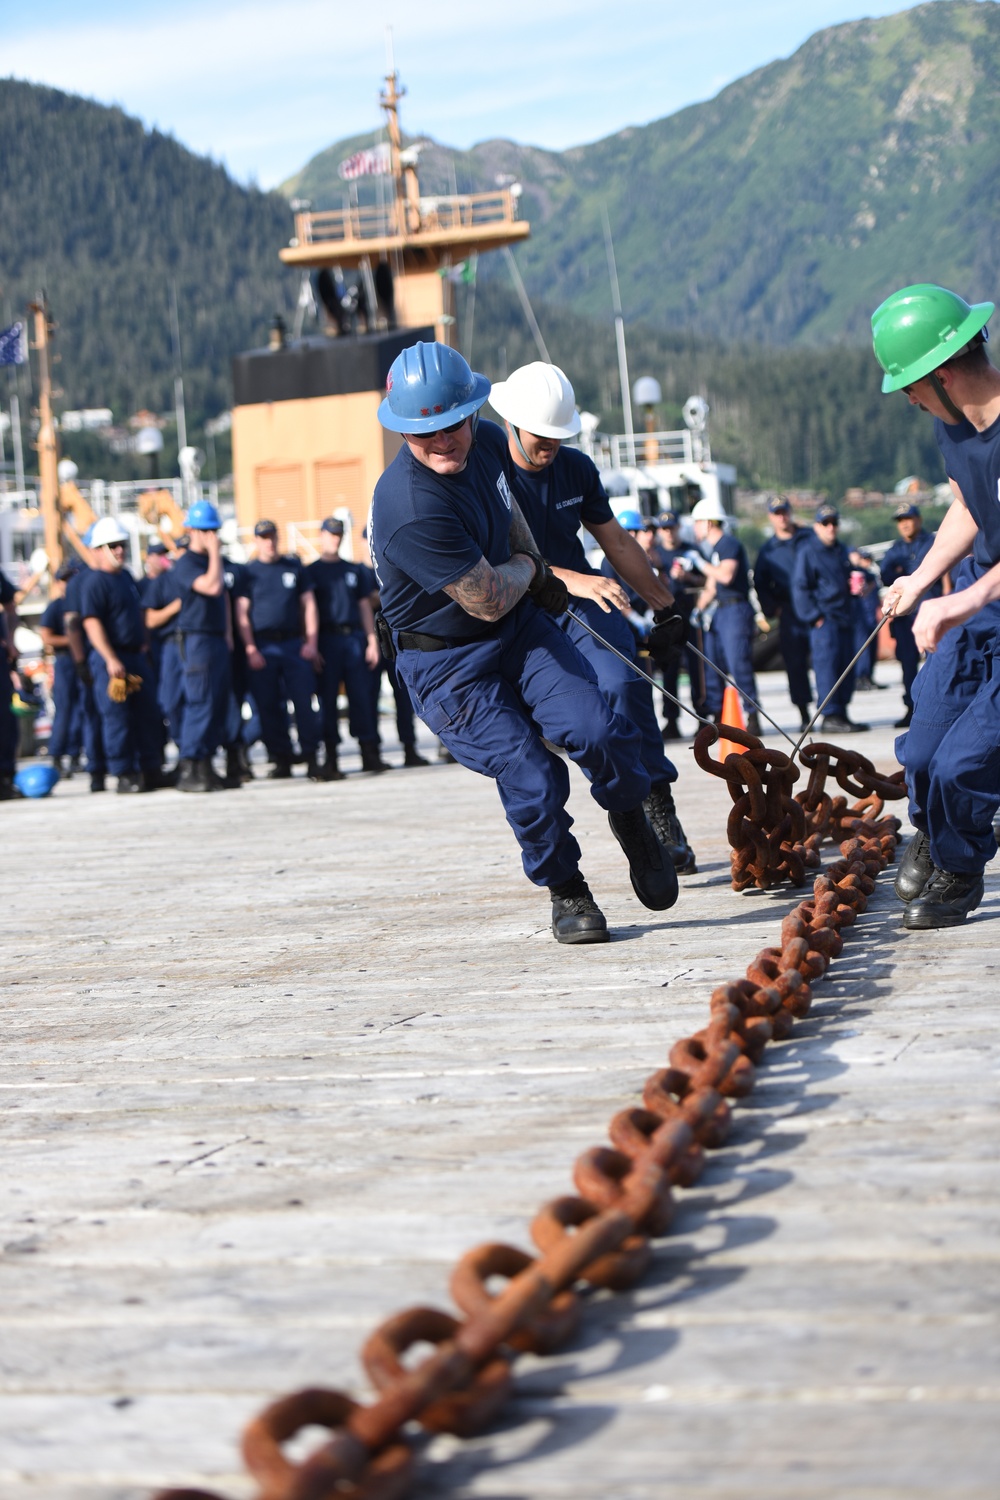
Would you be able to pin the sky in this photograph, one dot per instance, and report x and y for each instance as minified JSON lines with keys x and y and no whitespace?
{"x":263,"y":86}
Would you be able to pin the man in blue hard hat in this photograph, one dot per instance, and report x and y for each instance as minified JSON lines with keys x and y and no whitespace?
{"x":204,"y":641}
{"x":469,"y":603}
{"x":559,"y":490}
{"x":931,"y":345}
{"x":902,"y":559}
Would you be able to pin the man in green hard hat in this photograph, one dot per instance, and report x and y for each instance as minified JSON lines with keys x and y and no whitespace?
{"x":931,"y":345}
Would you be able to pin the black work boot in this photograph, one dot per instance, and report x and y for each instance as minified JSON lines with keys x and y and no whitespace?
{"x":915,"y":868}
{"x":654,"y":878}
{"x":97,"y":781}
{"x":195,"y":776}
{"x":314,"y":771}
{"x":371,"y":758}
{"x":945,"y":901}
{"x":8,"y":791}
{"x":282,"y":768}
{"x":234,"y":771}
{"x":805,"y":717}
{"x":753,"y":724}
{"x":331,"y":770}
{"x":662,"y":814}
{"x":412,"y":756}
{"x":576,"y":916}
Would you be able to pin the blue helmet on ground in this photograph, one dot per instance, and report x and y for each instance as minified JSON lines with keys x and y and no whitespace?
{"x":36,"y":781}
{"x":630,"y":519}
{"x":203,"y":516}
{"x":430,"y":386}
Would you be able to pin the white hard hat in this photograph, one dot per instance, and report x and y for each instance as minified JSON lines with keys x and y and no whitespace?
{"x":709,"y":510}
{"x":107,"y":530}
{"x":539,"y":398}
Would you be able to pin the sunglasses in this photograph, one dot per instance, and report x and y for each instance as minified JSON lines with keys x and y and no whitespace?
{"x":115,"y":546}
{"x":829,"y":523}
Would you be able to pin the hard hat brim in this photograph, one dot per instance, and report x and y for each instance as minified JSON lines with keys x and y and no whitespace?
{"x":506,"y":406}
{"x":439,"y":419}
{"x":979,"y":315}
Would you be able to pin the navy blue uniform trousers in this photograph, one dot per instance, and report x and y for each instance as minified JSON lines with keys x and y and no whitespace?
{"x":344,"y":662}
{"x":405,"y":727}
{"x":67,"y":709}
{"x":170,"y":689}
{"x":793,"y":634}
{"x":951,"y":752}
{"x":832,"y":648}
{"x":285,"y":676}
{"x":207,"y":693}
{"x":729,"y":644}
{"x":492,"y":700}
{"x":906,"y":653}
{"x":131,"y":729}
{"x":8,"y":723}
{"x":627,"y":694}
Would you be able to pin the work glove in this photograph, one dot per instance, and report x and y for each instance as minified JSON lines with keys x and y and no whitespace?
{"x":548,"y":591}
{"x":667,"y":636}
{"x":84,"y":673}
{"x":119,"y":688}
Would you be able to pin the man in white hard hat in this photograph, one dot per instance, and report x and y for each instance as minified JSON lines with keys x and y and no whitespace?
{"x":559,"y":490}
{"x":115,"y":628}
{"x":725,"y":600}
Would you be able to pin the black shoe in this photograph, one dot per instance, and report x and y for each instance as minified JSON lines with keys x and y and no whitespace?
{"x":330,"y":770}
{"x":945,"y":901}
{"x":841,"y":724}
{"x":576,"y":916}
{"x":654,"y":878}
{"x":130,"y":783}
{"x":195,"y":776}
{"x":371,"y":759}
{"x":915,"y":868}
{"x":8,"y":791}
{"x":904,"y":722}
{"x":234,"y":771}
{"x":282,"y":768}
{"x":805,"y":717}
{"x":97,"y":781}
{"x":662,"y":814}
{"x":671,"y":731}
{"x":753,"y":725}
{"x":156,"y":779}
{"x":314,"y":771}
{"x":864,"y":685}
{"x":412,"y":757}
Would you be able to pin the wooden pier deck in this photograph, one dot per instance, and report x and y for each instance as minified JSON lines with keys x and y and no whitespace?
{"x":272,"y":1060}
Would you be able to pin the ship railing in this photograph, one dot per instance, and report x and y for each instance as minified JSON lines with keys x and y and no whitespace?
{"x":381,"y":221}
{"x":620,"y":451}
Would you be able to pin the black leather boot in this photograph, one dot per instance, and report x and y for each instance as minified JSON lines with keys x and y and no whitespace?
{"x":195,"y":776}
{"x":576,"y":916}
{"x":651,"y":869}
{"x":662,"y":814}
{"x":945,"y":901}
{"x":915,"y":868}
{"x":371,"y":757}
{"x":282,"y":768}
{"x":412,"y":756}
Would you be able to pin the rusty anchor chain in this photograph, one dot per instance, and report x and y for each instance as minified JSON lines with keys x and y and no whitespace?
{"x":600,"y":1237}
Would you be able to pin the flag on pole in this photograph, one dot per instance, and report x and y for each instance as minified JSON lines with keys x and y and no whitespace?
{"x":14,"y":345}
{"x":374,"y":161}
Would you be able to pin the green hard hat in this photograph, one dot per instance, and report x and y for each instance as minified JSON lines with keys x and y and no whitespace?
{"x":921,"y":327}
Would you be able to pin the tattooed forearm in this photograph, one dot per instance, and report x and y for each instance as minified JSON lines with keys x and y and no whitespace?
{"x":521,"y":539}
{"x":490,"y":593}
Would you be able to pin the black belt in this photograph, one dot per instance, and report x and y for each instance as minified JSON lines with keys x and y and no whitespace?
{"x":180,"y":634}
{"x":414,"y":640}
{"x":278,"y":635}
{"x":340,"y":629}
{"x":723,"y":602}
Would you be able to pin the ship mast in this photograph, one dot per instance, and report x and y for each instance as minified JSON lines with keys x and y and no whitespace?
{"x":46,"y":441}
{"x":404,"y":171}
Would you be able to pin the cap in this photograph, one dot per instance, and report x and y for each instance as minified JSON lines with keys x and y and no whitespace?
{"x":265,"y":528}
{"x":334,"y":526}
{"x":182,"y":542}
{"x":827,"y":513}
{"x":667,"y":518}
{"x":908,"y":512}
{"x":777,"y":505}
{"x":157,"y":549}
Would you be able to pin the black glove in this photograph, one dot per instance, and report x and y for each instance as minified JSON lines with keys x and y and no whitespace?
{"x":84,"y":673}
{"x":667,"y":635}
{"x":548,"y":591}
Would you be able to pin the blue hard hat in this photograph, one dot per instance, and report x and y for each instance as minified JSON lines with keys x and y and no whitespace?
{"x":36,"y":781}
{"x":430,"y":386}
{"x":203,"y":516}
{"x":630,"y":519}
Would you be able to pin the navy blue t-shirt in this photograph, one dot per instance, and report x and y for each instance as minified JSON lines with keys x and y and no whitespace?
{"x":113,"y":598}
{"x":234,"y":576}
{"x":7,"y":592}
{"x":429,"y":529}
{"x":199,"y":612}
{"x":54,"y":619}
{"x":772,"y":572}
{"x":727,"y":548}
{"x":821,"y":582}
{"x":972,"y":459}
{"x":904,"y":558}
{"x":157,"y":593}
{"x":555,"y":503}
{"x":338,"y":585}
{"x":274,"y":590}
{"x":73,"y":597}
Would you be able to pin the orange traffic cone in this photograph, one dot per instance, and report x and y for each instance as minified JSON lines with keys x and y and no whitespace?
{"x":732,"y":714}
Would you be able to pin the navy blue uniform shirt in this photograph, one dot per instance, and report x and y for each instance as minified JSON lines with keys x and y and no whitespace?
{"x":903,"y":558}
{"x":338,"y":585}
{"x":727,"y":548}
{"x":113,"y":598}
{"x":157,"y":593}
{"x":274,"y":590}
{"x":203,"y":613}
{"x":972,"y":459}
{"x":556,"y":501}
{"x":54,"y":619}
{"x":428,"y":530}
{"x":821,"y":582}
{"x":73,"y":596}
{"x":772,"y":572}
{"x":7,"y":592}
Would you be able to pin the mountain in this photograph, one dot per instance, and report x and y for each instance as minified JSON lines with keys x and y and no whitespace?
{"x":783,"y":210}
